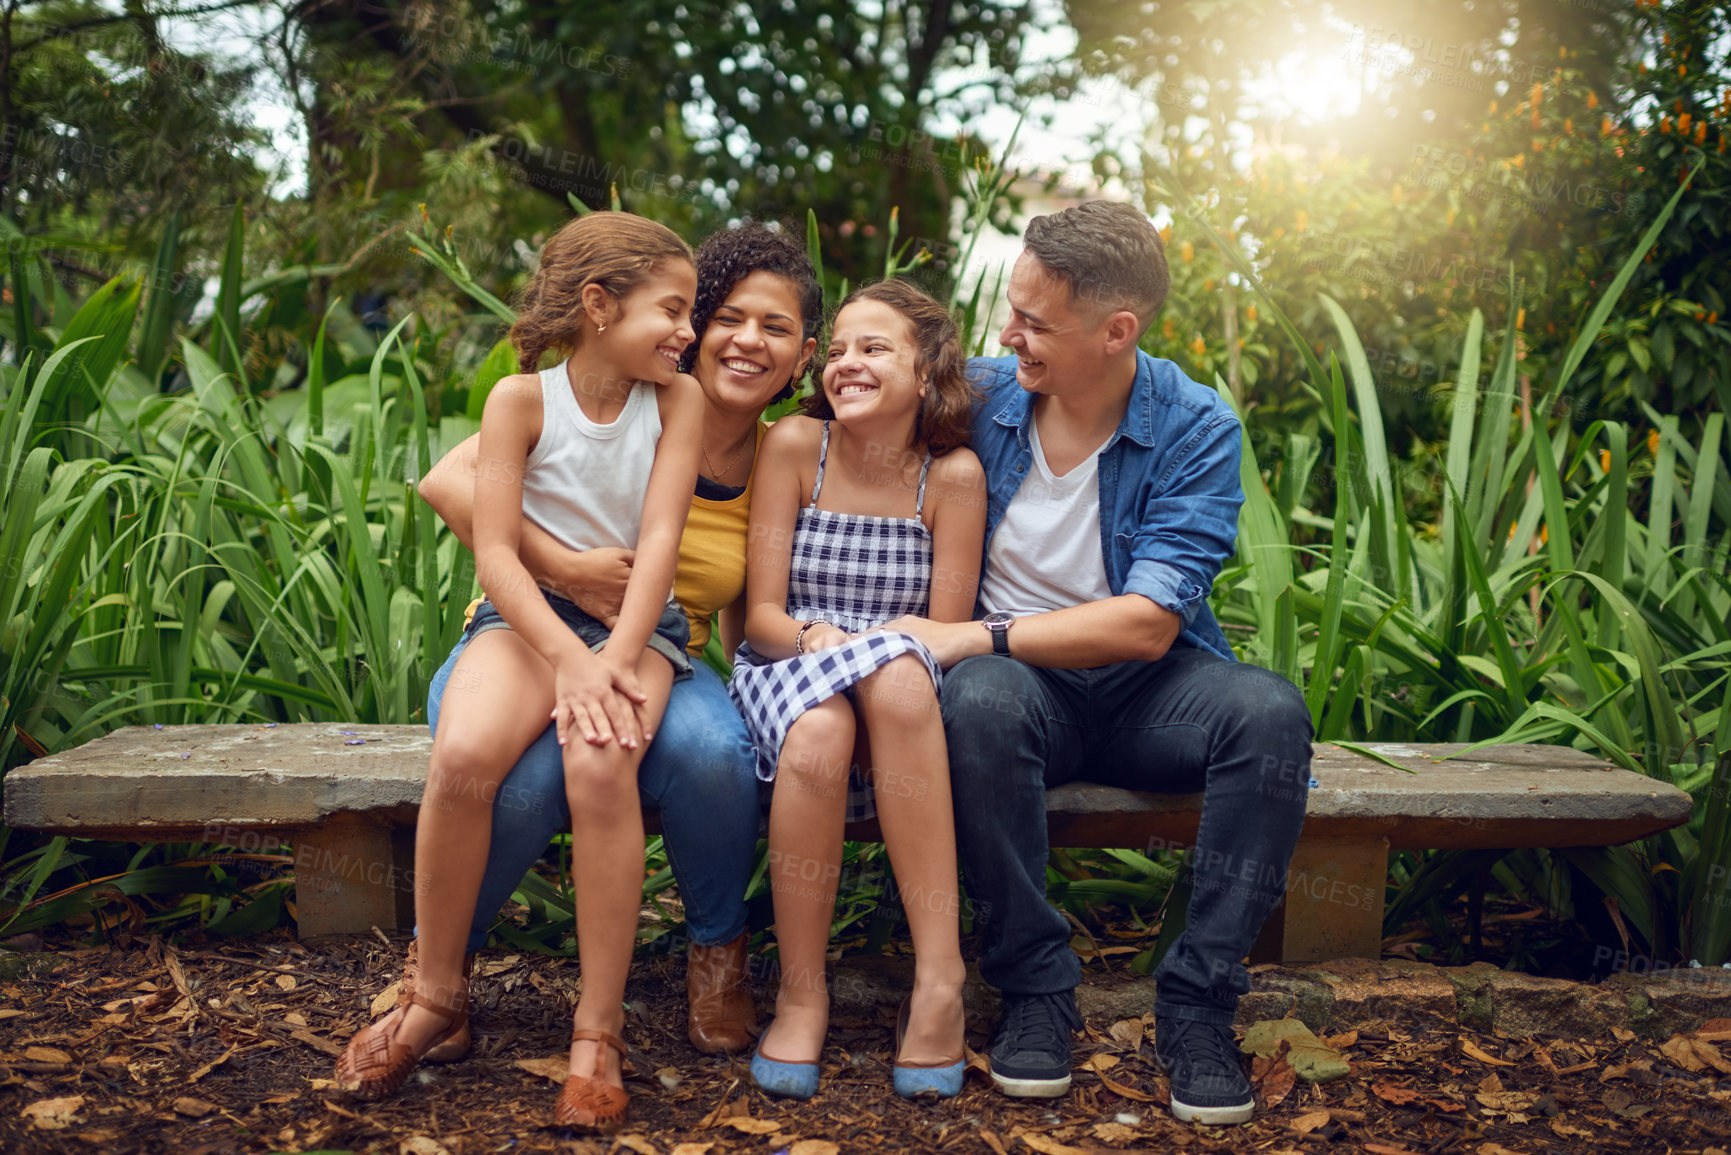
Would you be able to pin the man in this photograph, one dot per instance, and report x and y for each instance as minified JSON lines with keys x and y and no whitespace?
{"x":1113,"y":497}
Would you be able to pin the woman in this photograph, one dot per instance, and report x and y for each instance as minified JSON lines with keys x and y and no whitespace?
{"x":756,"y":315}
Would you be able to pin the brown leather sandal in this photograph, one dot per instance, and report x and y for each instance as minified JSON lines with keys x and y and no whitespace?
{"x":375,"y":1064}
{"x":457,"y":1045}
{"x":588,"y":1100}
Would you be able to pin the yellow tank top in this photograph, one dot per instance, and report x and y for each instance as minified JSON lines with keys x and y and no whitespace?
{"x":711,"y":573}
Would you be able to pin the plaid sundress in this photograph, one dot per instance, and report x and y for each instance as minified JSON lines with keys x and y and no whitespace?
{"x":854,"y":570}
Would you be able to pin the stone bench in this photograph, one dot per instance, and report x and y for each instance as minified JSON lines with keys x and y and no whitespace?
{"x":345,"y":797}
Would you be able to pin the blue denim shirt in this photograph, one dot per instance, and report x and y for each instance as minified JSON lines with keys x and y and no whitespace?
{"x":1169,"y":485}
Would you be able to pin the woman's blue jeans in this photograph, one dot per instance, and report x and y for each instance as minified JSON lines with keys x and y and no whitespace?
{"x":699,"y":772}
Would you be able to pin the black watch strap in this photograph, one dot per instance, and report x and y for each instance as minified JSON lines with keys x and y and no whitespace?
{"x":1001,"y":643}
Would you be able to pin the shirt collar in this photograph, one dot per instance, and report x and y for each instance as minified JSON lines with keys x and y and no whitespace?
{"x":1137,"y":423}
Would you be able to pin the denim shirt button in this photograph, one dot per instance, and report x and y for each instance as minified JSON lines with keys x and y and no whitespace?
{"x":1018,"y":469}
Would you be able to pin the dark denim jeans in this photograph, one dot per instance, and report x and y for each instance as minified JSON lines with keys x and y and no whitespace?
{"x":699,"y":772}
{"x":1190,"y":722}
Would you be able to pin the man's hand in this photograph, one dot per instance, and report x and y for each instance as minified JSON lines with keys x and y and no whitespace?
{"x":595,"y":580}
{"x":949,"y":642}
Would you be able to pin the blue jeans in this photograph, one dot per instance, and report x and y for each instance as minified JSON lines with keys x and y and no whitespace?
{"x":1191,"y":722}
{"x":699,"y":772}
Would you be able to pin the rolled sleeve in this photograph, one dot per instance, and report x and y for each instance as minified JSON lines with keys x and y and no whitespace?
{"x":1189,"y":525}
{"x":1167,"y":587}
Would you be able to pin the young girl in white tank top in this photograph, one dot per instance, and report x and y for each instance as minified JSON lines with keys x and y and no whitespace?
{"x":599,"y":449}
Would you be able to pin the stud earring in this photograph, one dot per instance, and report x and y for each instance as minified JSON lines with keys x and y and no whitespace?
{"x":600,"y":329}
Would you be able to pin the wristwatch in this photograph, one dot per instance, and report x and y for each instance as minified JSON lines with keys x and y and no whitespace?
{"x":997,"y":624}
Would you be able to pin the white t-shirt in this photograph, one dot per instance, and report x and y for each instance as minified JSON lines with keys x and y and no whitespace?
{"x":1046,"y":552}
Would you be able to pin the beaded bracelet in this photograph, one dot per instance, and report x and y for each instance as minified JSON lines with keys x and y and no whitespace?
{"x":799,"y":638}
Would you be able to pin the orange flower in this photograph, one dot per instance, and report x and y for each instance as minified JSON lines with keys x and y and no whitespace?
{"x":1713,"y":317}
{"x":1198,"y":347}
{"x":1605,"y":127}
{"x":1683,"y":124}
{"x":1664,"y":126}
{"x":1538,"y":94}
{"x":1250,"y":314}
{"x":1653,"y":441}
{"x":1605,"y":460}
{"x":1592,"y":100}
{"x":1166,"y":235}
{"x":1520,"y":318}
{"x":1701,"y":133}
{"x":1568,"y":126}
{"x":1168,"y":328}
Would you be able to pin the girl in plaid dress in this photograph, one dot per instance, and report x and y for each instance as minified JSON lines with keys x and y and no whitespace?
{"x":868,"y":508}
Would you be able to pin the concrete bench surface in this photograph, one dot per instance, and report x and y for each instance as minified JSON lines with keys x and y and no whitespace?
{"x":346,"y":797}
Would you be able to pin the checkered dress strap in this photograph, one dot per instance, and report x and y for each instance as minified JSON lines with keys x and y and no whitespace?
{"x":822,"y":456}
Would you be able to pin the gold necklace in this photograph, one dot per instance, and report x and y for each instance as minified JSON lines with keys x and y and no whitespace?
{"x":715,"y":473}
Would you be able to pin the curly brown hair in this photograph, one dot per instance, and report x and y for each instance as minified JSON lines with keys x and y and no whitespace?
{"x":728,"y":256}
{"x":617,"y":251}
{"x":945,"y":416}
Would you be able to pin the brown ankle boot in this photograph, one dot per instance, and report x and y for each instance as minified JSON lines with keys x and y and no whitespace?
{"x":722,"y":1018}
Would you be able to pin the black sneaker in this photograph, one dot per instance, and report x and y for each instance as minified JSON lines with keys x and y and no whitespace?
{"x":1208,"y":1083}
{"x":1031,"y":1051}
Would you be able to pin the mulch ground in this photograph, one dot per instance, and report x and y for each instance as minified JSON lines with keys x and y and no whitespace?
{"x":228,"y":1047}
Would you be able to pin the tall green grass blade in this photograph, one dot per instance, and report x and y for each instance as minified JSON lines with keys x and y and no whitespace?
{"x":225,"y":327}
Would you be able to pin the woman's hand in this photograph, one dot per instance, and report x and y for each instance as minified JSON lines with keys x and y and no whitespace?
{"x":595,"y":580}
{"x":590,"y":698}
{"x":632,"y":723}
{"x":824,"y":636}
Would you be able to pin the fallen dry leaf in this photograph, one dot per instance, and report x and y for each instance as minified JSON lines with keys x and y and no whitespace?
{"x":990,"y":1139}
{"x":1569,"y":1130}
{"x":1309,"y":1121}
{"x":725,"y":1110}
{"x":1473,"y":1051}
{"x":691,"y":1148}
{"x":1399,"y":1096}
{"x":1114,"y":1132}
{"x":421,"y":1144}
{"x":814,"y":1147}
{"x":192,"y":1108}
{"x":747,"y":1126}
{"x":387,"y":998}
{"x":555,"y":1068}
{"x":47,"y":1055}
{"x":1490,"y":1084}
{"x":1045,"y":1144}
{"x":53,"y":1114}
{"x":317,"y":1043}
{"x":1693,"y":1053}
{"x":286,"y":983}
{"x":1121,"y":1090}
{"x":1101,"y":1061}
{"x":1128,"y":1032}
{"x":636,"y":1143}
{"x":1342,"y":1042}
{"x":1385,"y":1149}
{"x":1273,"y":1077}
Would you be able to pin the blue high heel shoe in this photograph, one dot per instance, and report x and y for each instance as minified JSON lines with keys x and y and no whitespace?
{"x":788,"y":1080}
{"x":912,"y":1080}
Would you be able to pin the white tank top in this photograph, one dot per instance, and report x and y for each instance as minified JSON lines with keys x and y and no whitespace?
{"x":585,"y":482}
